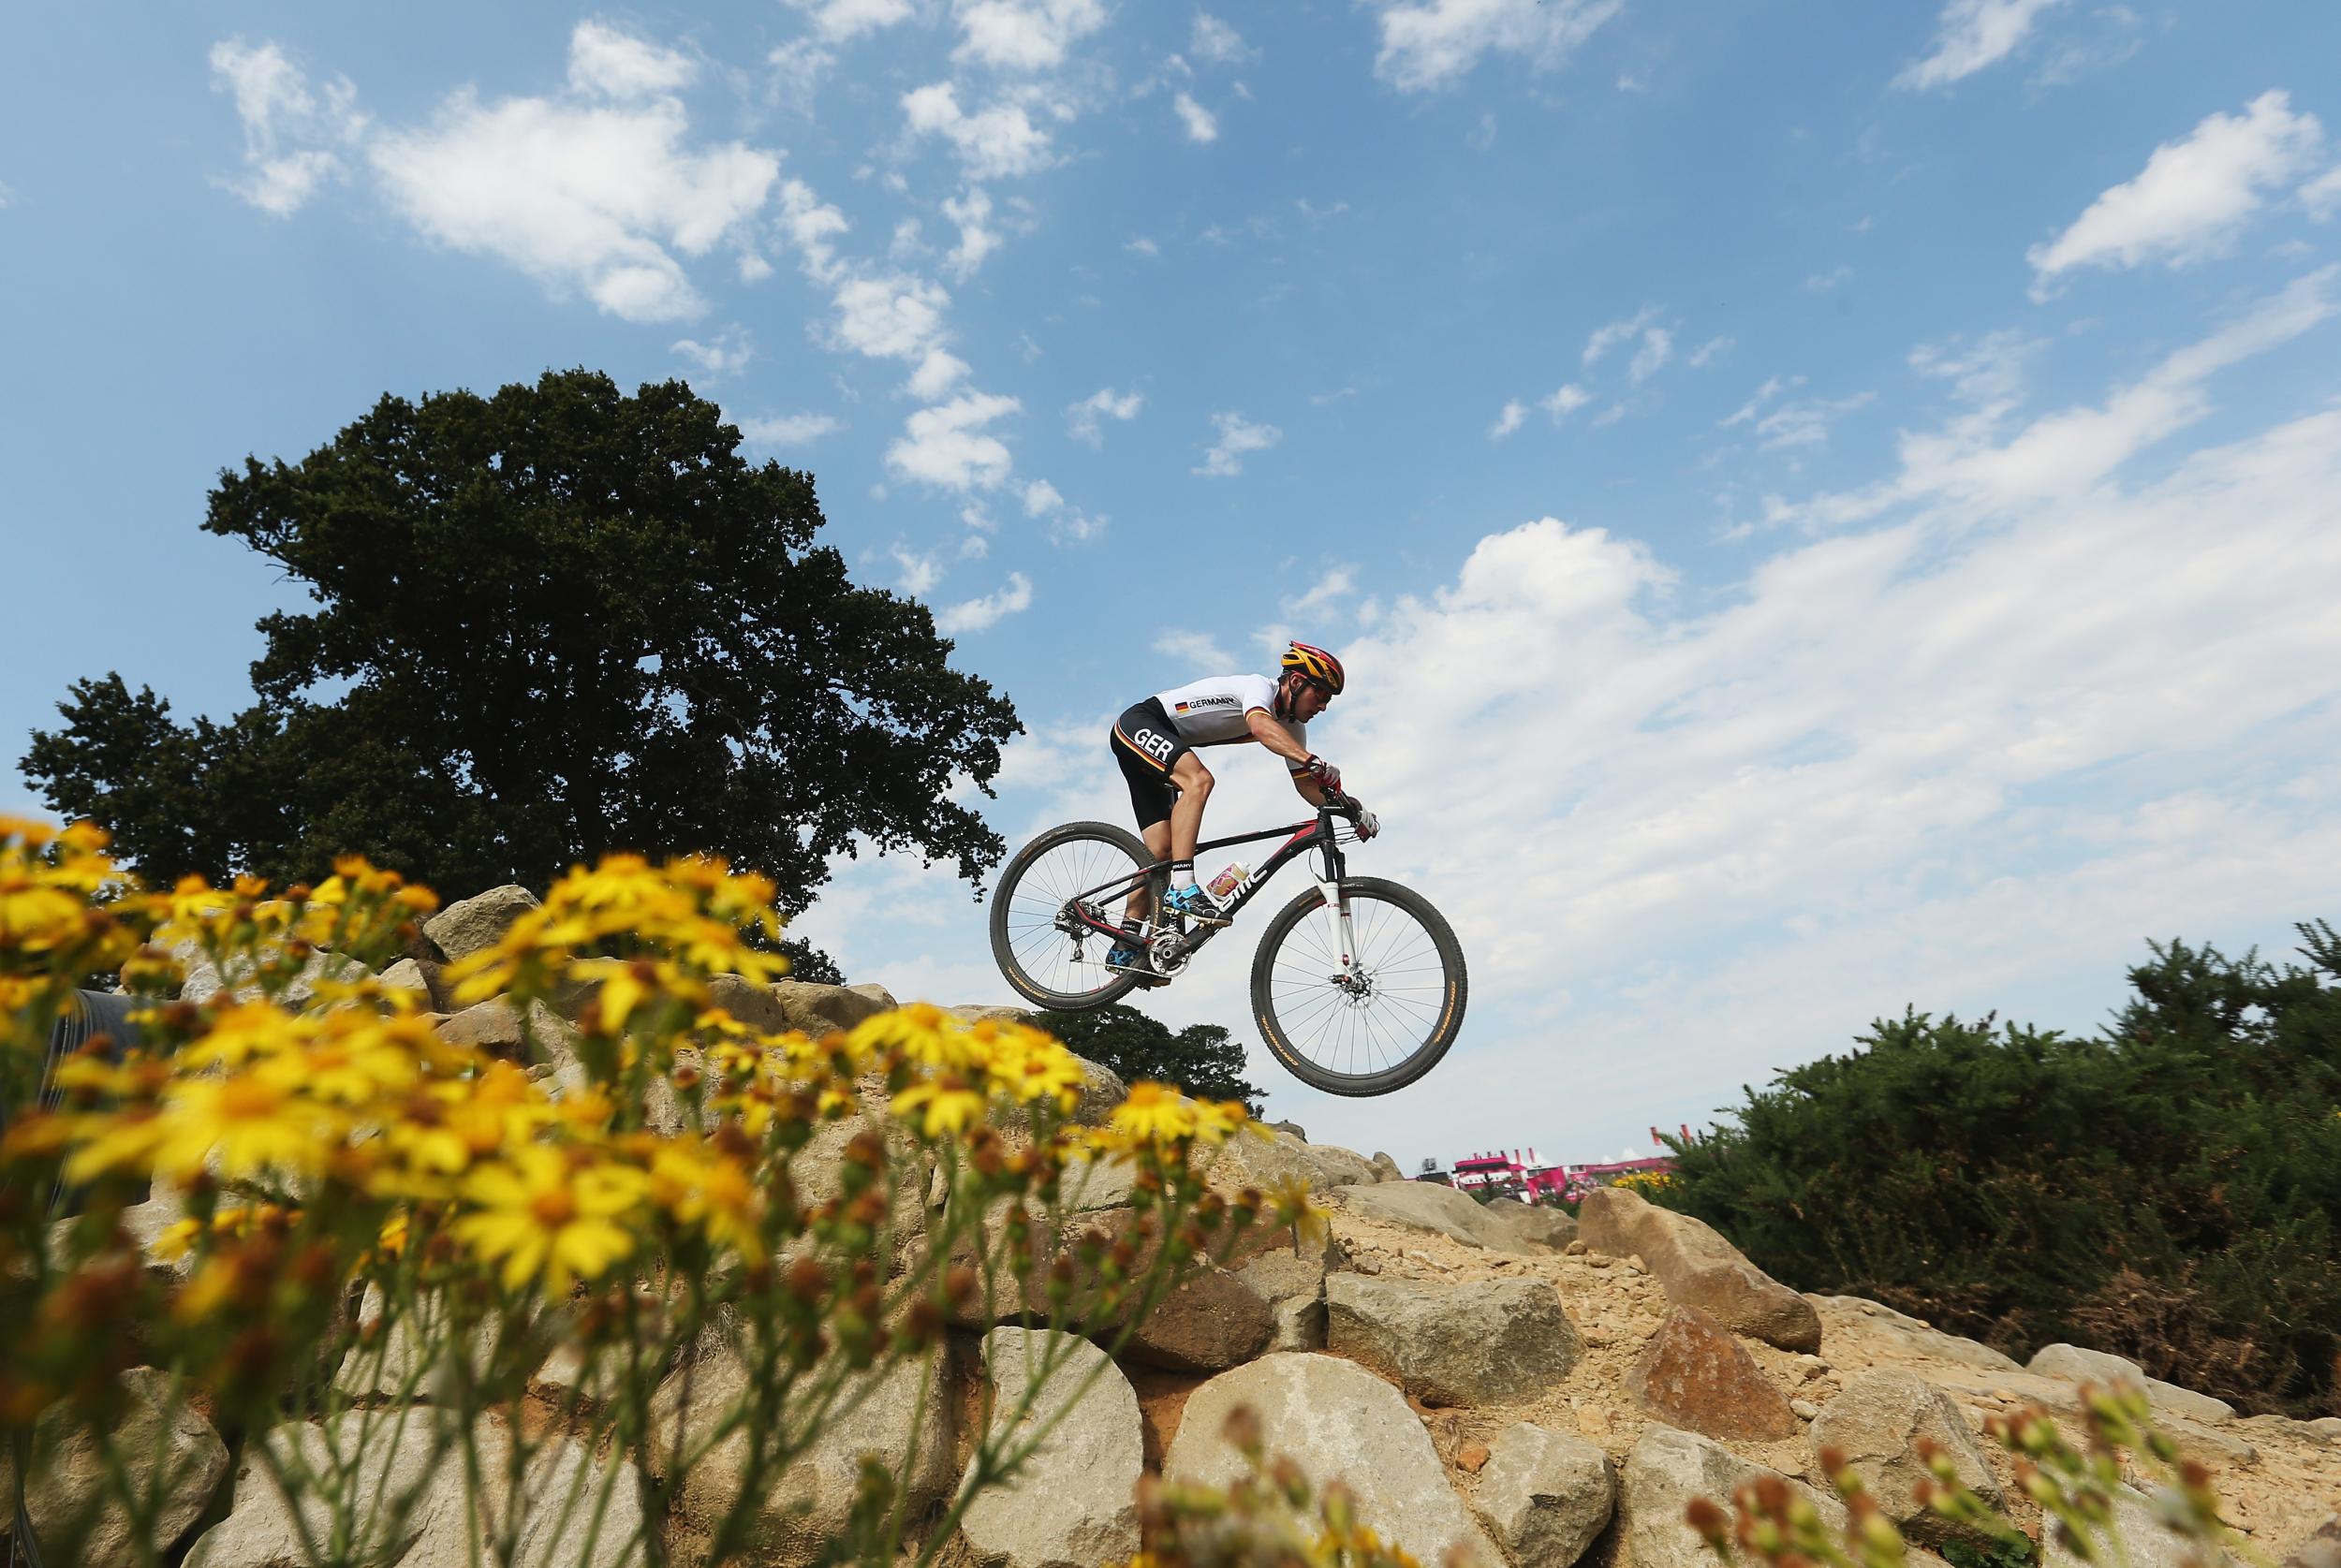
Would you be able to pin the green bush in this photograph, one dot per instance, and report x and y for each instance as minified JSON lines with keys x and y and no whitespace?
{"x":2169,"y":1190}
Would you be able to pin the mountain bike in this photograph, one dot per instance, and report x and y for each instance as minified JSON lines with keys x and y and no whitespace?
{"x":1358,"y":984}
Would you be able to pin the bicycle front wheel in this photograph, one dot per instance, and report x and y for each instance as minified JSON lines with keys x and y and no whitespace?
{"x":1048,"y":956}
{"x":1385,"y":1022}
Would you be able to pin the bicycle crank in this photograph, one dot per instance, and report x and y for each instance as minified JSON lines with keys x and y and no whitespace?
{"x":1167,"y":952}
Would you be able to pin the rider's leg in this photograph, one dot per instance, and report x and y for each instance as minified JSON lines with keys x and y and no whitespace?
{"x":1157,"y":837}
{"x":1187,"y":818}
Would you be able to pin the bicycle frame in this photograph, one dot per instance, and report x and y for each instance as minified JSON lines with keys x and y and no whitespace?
{"x":1298,"y":840}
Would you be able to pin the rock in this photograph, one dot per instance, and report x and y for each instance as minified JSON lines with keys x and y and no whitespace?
{"x":1385,"y":1168}
{"x":1806,"y":1410}
{"x":1293,"y":1285}
{"x":1337,"y":1421}
{"x":398,"y":1482}
{"x":750,"y":1001}
{"x":474,"y":924}
{"x":1876,"y":1420}
{"x":1697,"y":1267}
{"x":1473,"y":1456}
{"x":573,"y":1512}
{"x":1493,"y":1342}
{"x":1664,"y":1471}
{"x":1429,"y":1207}
{"x":1330,"y":1166}
{"x":203,"y":982}
{"x":976,"y":1011}
{"x":1544,"y":1496}
{"x":1090,"y":1184}
{"x":2079,"y":1365}
{"x":393,"y":1368}
{"x":160,"y":1444}
{"x":806,"y":1505}
{"x":1294,"y":1128}
{"x":2321,"y":1546}
{"x":1262,"y":1159}
{"x":1694,"y":1374}
{"x":1213,"y":1321}
{"x":2146,"y":1541}
{"x":2326,"y":1428}
{"x":877,"y":993}
{"x":1075,"y":1502}
{"x":1532,"y":1224}
{"x":1907,"y":1335}
{"x":405,"y":975}
{"x":496,"y":1027}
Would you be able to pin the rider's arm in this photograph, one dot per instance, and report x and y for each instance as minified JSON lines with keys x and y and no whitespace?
{"x":1269,"y":733}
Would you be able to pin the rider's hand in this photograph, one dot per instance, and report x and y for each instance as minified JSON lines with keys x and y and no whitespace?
{"x":1368,"y":824}
{"x":1328,"y":777}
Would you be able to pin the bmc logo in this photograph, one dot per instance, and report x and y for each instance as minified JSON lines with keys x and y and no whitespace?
{"x":1157,"y":746}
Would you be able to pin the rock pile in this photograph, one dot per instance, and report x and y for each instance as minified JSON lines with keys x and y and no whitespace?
{"x":1536,"y":1391}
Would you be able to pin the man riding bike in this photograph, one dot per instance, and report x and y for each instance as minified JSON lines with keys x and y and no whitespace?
{"x":1155,"y":740}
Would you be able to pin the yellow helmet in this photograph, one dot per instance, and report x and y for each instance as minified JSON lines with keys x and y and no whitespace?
{"x":1317,"y":664}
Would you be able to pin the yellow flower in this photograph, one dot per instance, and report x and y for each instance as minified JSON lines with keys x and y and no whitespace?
{"x":1156,"y":1112}
{"x":243,"y":1125}
{"x":710,"y":1191}
{"x":950,"y":1105}
{"x":547,"y":1222}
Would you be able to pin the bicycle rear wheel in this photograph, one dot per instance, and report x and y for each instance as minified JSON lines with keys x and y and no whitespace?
{"x":1385,"y":1023}
{"x":1049,"y":958}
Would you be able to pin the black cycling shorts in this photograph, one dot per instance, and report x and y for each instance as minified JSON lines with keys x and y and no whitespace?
{"x":1147,"y":745}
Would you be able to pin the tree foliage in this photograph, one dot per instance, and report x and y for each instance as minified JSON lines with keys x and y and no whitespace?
{"x":2170,"y":1191}
{"x":548,"y":623}
{"x":1204,"y":1059}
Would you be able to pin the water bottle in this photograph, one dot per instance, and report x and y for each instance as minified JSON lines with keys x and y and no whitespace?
{"x":1231,"y":877}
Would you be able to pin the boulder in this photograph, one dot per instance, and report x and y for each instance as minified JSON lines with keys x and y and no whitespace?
{"x":1488,"y":1342}
{"x":2146,"y":1541}
{"x":976,"y":1011}
{"x":1330,"y":1166}
{"x":495,"y":1026}
{"x":1544,"y":1495}
{"x":2321,"y":1546}
{"x":1876,"y":1420}
{"x":1292,"y":1127}
{"x":751,"y":1002}
{"x":203,"y":981}
{"x":1337,"y":1422}
{"x":160,"y":1444}
{"x":877,"y":993}
{"x":478,"y":923}
{"x":1693,"y":1373}
{"x":1074,"y":1502}
{"x":1664,"y":1471}
{"x":406,"y":976}
{"x":395,"y":1365}
{"x":1385,"y":1168}
{"x":398,"y":1479}
{"x":1697,"y":1267}
{"x":1293,"y":1285}
{"x":573,"y":1512}
{"x":2076,"y":1364}
{"x":1213,"y":1321}
{"x":1428,"y":1206}
{"x":1534,"y":1224}
{"x":1906,"y":1335}
{"x":805,"y":1506}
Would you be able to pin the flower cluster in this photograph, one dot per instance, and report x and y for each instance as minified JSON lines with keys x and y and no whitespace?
{"x":656,"y":1164}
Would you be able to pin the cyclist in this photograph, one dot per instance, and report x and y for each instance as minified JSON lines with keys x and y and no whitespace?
{"x":1155,"y":742}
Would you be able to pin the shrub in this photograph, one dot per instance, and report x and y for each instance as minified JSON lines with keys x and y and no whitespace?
{"x":375,"y":1216}
{"x":2170,"y":1191}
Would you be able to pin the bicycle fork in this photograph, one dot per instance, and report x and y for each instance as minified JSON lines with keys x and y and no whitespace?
{"x":1339,"y":931}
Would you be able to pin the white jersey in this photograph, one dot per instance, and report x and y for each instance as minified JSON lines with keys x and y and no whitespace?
{"x":1217,"y":711}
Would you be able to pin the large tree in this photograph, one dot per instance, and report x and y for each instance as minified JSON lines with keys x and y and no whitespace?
{"x":1204,"y":1059}
{"x":548,"y":623}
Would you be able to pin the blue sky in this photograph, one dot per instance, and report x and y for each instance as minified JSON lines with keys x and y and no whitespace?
{"x":1827,"y":507}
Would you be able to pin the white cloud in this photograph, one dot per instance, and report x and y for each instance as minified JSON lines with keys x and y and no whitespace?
{"x":598,"y":197}
{"x":1658,"y":347}
{"x":728,"y":354}
{"x":1067,"y":524}
{"x":1139,"y":244}
{"x":788,"y":429}
{"x":1433,"y":43}
{"x":949,"y":447}
{"x":618,"y":65}
{"x":1971,"y":34}
{"x":1608,"y":336}
{"x":938,"y":371}
{"x":1338,"y":583}
{"x":1024,"y":35}
{"x":976,"y":615}
{"x":1215,"y":41}
{"x":1041,"y":498}
{"x":891,"y":315}
{"x":1083,"y":419}
{"x":1199,"y":122}
{"x":919,"y":573}
{"x":798,"y":67}
{"x":1831,"y":280}
{"x":2191,"y":198}
{"x":1237,"y":436}
{"x":841,"y":21}
{"x":999,"y":142}
{"x":289,"y":133}
{"x":2321,"y":195}
{"x":977,"y":238}
{"x":1708,"y":350}
{"x":1774,"y":385}
{"x":1514,"y":414}
{"x":809,"y":225}
{"x":1562,"y":401}
{"x":1806,"y":422}
{"x":1194,"y":650}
